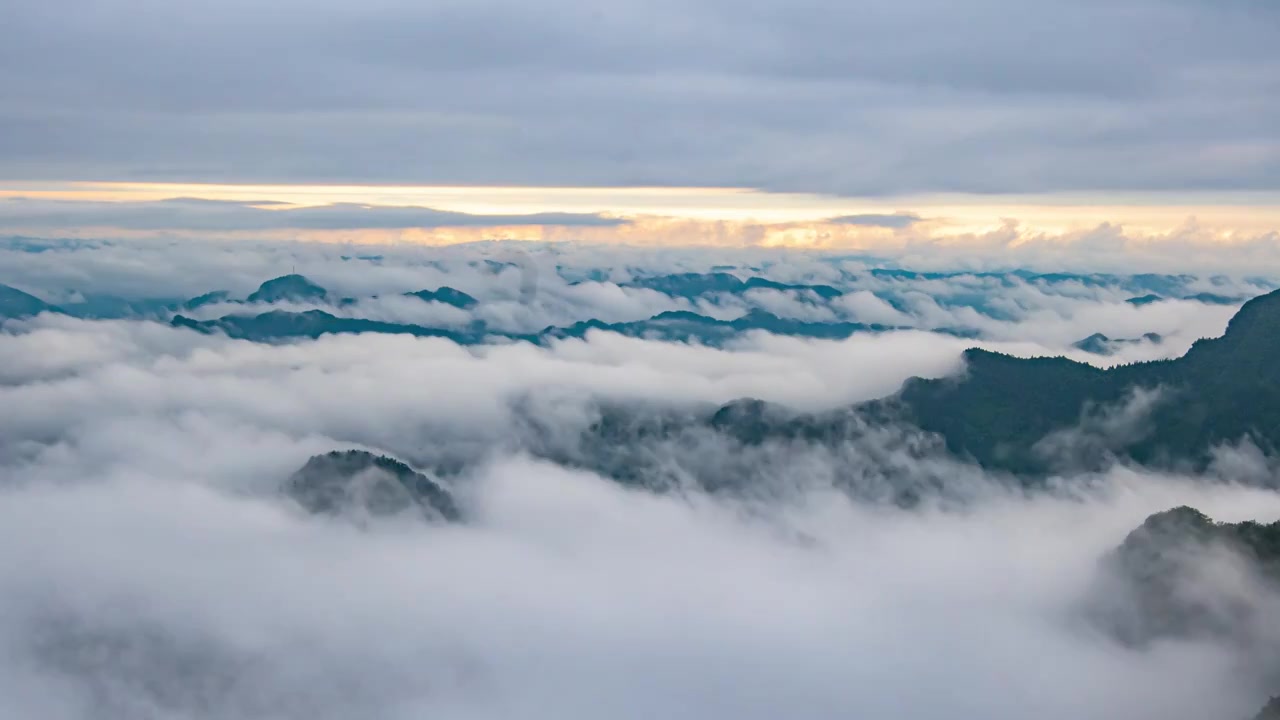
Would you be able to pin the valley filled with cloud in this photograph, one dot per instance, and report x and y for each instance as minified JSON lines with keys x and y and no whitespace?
{"x":544,"y":480}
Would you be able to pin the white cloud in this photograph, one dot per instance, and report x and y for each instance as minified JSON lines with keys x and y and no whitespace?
{"x":567,"y":597}
{"x":153,"y":568}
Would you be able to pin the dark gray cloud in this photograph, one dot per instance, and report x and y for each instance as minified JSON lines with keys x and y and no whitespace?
{"x":865,"y":97}
{"x":895,"y":220}
{"x":221,"y":215}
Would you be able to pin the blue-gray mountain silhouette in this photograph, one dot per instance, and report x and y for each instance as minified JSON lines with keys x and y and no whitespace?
{"x":1100,"y":344}
{"x":446,"y":295}
{"x":284,"y":325}
{"x":692,"y":285}
{"x":676,"y":326}
{"x":1203,"y":297}
{"x":288,"y":288}
{"x":685,"y":326}
{"x":209,"y":298}
{"x":15,"y":304}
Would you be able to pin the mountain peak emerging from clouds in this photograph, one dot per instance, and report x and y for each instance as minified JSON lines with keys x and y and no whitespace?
{"x":448,"y":296}
{"x":291,"y":288}
{"x":342,"y":481}
{"x":1156,"y":586}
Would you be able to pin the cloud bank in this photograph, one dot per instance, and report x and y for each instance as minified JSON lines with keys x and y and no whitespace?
{"x":155,"y":568}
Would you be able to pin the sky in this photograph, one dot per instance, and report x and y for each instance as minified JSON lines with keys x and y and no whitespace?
{"x":698,"y":122}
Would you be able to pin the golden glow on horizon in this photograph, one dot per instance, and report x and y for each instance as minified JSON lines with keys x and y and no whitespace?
{"x":713,"y":215}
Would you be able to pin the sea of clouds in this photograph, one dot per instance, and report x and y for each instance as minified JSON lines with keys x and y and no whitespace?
{"x":152,"y":567}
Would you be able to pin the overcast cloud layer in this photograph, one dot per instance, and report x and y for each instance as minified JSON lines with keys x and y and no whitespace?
{"x":863,"y":97}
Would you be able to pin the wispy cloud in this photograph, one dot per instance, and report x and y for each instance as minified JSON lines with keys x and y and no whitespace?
{"x":225,"y":215}
{"x":895,"y":220}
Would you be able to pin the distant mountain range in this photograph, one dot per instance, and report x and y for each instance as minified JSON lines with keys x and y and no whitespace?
{"x":279,"y":325}
{"x":1030,"y":417}
{"x":680,"y":326}
{"x":1020,"y":420}
{"x":1203,"y":297}
{"x":694,"y":285}
{"x":1100,"y":344}
{"x":296,"y":289}
{"x":895,"y":287}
